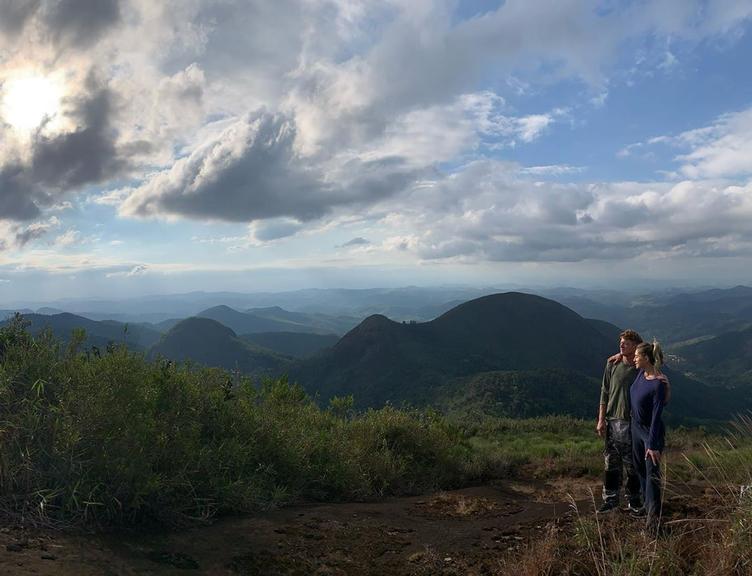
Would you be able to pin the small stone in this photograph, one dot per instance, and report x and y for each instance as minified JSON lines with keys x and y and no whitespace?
{"x":448,"y":559}
{"x":13,"y":547}
{"x":48,"y":556}
{"x":416,"y":557}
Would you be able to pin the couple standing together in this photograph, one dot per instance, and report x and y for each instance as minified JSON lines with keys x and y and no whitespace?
{"x":633,"y":394}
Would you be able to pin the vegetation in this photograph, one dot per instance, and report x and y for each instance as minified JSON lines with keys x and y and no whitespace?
{"x":706,"y":528}
{"x":114,"y":438}
{"x":91,"y":437}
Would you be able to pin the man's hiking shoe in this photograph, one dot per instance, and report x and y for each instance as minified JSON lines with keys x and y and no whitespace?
{"x":607,"y":506}
{"x":635,"y":508}
{"x":637,"y":511}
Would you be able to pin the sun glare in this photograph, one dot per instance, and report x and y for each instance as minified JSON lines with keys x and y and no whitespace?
{"x":29,"y":102}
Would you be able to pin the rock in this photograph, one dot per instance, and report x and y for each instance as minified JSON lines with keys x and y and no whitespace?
{"x":416,"y":557}
{"x":13,"y":547}
{"x":48,"y":556}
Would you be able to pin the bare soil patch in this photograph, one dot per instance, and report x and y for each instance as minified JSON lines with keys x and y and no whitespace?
{"x":467,"y":531}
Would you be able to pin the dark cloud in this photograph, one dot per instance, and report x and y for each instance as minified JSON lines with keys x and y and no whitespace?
{"x":84,"y":156}
{"x":64,"y":162}
{"x":274,"y":229}
{"x":251,"y":172}
{"x":17,"y":194}
{"x":79,"y":23}
{"x":359,"y":241}
{"x":14,"y":14}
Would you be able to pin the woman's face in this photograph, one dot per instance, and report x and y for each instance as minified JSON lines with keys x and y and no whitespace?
{"x":641,"y":361}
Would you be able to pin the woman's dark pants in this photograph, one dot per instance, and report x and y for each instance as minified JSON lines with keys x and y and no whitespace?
{"x":649,"y":473}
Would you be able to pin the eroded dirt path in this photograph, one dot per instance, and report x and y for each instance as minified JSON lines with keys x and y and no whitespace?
{"x":466,"y":531}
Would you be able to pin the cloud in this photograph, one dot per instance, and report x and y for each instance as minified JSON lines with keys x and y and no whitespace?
{"x":248,"y":172}
{"x":59,"y":163}
{"x":17,"y":194}
{"x":79,"y":23}
{"x":34,"y":231}
{"x":68,"y":238}
{"x":720,"y":150}
{"x":267,"y":231}
{"x":15,"y":14}
{"x":138,"y":270}
{"x":83,"y":156}
{"x":491,"y":211}
{"x":359,"y":241}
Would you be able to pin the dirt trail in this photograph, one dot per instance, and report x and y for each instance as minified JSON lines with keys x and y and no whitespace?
{"x":459,"y":532}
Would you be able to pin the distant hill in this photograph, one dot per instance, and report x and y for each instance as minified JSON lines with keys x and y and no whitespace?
{"x":609,"y":330}
{"x":674,"y":319}
{"x":381,"y":360}
{"x":273,"y":319}
{"x":507,"y":354}
{"x":100,"y":334}
{"x":295,"y":344}
{"x":5,"y":314}
{"x":320,"y":323}
{"x":725,"y":360}
{"x":209,"y":343}
{"x":47,"y":311}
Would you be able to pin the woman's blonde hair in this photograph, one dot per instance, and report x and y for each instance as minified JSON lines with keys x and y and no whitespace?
{"x":653,"y":352}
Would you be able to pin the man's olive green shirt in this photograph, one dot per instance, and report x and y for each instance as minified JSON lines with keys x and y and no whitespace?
{"x":617,"y":378}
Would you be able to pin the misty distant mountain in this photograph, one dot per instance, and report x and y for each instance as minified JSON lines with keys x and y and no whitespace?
{"x":321,"y":323}
{"x":725,"y":360}
{"x":295,"y":344}
{"x":266,"y":320}
{"x":677,"y":317}
{"x":47,"y":311}
{"x":409,"y":303}
{"x":5,"y":314}
{"x":100,"y":334}
{"x":209,"y":343}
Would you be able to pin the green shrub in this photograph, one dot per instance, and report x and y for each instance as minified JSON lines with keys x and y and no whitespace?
{"x":115,"y":438}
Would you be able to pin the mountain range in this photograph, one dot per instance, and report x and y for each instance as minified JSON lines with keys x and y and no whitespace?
{"x":506,"y":353}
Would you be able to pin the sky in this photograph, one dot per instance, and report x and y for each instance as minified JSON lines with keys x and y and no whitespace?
{"x":156,"y":147}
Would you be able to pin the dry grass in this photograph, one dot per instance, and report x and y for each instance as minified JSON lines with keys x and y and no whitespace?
{"x":707,"y":528}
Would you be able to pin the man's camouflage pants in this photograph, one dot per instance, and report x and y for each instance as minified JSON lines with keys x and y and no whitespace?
{"x":618,"y":457}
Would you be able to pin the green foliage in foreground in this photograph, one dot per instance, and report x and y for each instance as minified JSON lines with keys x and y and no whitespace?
{"x":115,"y":438}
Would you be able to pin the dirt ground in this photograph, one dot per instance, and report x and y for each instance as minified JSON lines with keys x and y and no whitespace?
{"x":466,"y":532}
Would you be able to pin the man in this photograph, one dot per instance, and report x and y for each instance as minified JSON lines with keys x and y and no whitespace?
{"x":613,"y":423}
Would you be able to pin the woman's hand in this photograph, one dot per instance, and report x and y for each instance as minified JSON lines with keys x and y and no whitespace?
{"x":653,"y":455}
{"x":615,"y":358}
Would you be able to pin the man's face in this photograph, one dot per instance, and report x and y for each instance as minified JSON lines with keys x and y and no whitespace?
{"x":627,"y":347}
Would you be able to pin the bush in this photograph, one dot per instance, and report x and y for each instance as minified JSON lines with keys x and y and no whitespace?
{"x":113,"y":438}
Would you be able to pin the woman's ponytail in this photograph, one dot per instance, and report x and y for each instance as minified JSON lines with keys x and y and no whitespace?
{"x":657,"y":354}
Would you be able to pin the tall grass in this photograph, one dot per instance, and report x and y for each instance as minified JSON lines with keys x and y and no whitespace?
{"x":707,"y":523}
{"x":113,"y":438}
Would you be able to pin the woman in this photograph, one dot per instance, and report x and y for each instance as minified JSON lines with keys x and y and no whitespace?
{"x":648,"y":396}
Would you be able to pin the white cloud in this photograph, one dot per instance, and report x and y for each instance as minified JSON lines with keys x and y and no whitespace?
{"x":138,"y":270}
{"x":719,"y":150}
{"x":68,"y":238}
{"x":493,"y":211}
